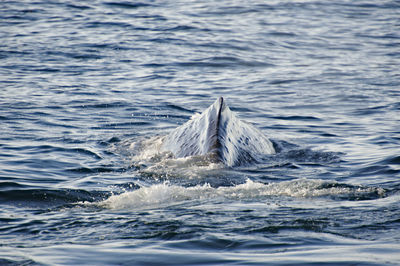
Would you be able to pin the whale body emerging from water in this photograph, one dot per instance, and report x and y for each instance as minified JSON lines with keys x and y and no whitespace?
{"x":220,"y":135}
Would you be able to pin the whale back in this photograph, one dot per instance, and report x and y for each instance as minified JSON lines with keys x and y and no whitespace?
{"x":220,"y":135}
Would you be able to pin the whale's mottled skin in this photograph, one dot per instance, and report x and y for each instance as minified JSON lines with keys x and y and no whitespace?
{"x":218,"y":134}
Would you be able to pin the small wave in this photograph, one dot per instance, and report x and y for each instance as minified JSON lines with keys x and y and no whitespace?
{"x":159,"y":195}
{"x":101,"y":24}
{"x":15,"y":261}
{"x":224,"y":61}
{"x":213,"y":62}
{"x":10,"y":185}
{"x":48,"y":197}
{"x":48,"y":149}
{"x":297,"y":117}
{"x":94,"y":170}
{"x":395,"y":160}
{"x":307,"y":155}
{"x":126,"y":5}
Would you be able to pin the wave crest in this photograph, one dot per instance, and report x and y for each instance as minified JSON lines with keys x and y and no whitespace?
{"x":164,"y":194}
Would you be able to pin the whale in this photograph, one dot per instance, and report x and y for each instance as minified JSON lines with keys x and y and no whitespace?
{"x":220,"y":136}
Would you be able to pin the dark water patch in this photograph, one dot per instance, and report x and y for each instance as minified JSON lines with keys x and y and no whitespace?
{"x":154,"y":65}
{"x":45,"y":123}
{"x":166,"y":40}
{"x":383,"y":140}
{"x":325,"y":134}
{"x":5,"y":53}
{"x":110,"y":141}
{"x":86,"y":56}
{"x":16,"y":19}
{"x":373,"y":6}
{"x":233,"y":10}
{"x":178,"y":108}
{"x":281,"y":34}
{"x":155,"y":229}
{"x":223,"y":62}
{"x":391,"y":160}
{"x":104,"y":105}
{"x":287,"y":165}
{"x":214,"y":62}
{"x":48,"y":198}
{"x":376,"y":170}
{"x":308,"y":156}
{"x":16,"y":262}
{"x":223,"y":46}
{"x":127,"y":5}
{"x":281,"y":145}
{"x":242,"y":109}
{"x":99,"y":47}
{"x":187,"y":28}
{"x":393,"y":54}
{"x":20,"y":105}
{"x":81,"y":151}
{"x":79,"y":6}
{"x":10,"y":185}
{"x":379,"y":36}
{"x":306,"y":224}
{"x":357,"y":193}
{"x":371,"y":110}
{"x":212,"y":242}
{"x":107,"y":24}
{"x":282,"y":81}
{"x":297,"y":117}
{"x":93,"y":170}
{"x":38,"y":164}
{"x":61,"y":54}
{"x":48,"y":149}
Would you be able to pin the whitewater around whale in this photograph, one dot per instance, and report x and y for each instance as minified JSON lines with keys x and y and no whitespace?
{"x":193,"y":163}
{"x":220,"y":135}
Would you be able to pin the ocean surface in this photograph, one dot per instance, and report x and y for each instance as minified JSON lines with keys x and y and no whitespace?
{"x":88,"y":89}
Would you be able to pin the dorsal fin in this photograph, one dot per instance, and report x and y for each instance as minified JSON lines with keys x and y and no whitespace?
{"x":220,"y":135}
{"x":221,"y":105}
{"x":214,"y":132}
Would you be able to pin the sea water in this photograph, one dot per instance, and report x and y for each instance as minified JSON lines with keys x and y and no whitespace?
{"x":88,"y":89}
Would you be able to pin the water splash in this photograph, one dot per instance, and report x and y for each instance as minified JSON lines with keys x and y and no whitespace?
{"x":165,"y":194}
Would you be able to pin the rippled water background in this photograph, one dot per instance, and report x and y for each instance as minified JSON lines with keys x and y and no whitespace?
{"x":81,"y":80}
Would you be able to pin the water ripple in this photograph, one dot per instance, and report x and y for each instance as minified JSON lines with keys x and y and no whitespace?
{"x":82,"y":82}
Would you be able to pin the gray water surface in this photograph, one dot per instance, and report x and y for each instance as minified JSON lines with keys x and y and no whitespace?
{"x":87,"y":88}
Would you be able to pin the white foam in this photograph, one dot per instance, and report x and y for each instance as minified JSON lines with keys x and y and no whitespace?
{"x":147,"y":150}
{"x":165,"y":194}
{"x":147,"y":156}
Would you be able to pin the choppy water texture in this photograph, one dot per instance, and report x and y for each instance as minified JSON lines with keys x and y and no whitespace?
{"x":88,"y":89}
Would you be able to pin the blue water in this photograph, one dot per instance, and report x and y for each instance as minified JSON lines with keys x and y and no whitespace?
{"x":87,"y":88}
